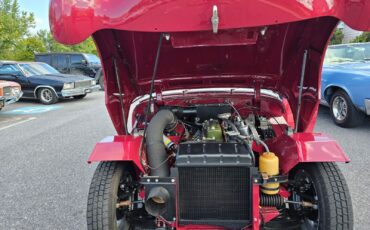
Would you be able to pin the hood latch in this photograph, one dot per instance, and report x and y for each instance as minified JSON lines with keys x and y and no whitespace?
{"x":215,"y":20}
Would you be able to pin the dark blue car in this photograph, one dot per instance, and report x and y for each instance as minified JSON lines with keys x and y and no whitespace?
{"x":43,"y":82}
{"x":346,"y":83}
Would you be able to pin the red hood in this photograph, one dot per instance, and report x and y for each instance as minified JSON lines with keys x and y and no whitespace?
{"x":260,"y":43}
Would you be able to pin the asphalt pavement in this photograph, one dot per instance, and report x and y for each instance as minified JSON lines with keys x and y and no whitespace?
{"x":44,"y":177}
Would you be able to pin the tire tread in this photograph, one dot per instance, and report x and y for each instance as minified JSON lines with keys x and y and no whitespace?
{"x":99,"y":199}
{"x":334,"y":190}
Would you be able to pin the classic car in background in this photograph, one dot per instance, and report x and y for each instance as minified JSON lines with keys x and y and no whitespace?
{"x":74,"y":63}
{"x":346,"y":83}
{"x":10,"y":92}
{"x":43,"y":82}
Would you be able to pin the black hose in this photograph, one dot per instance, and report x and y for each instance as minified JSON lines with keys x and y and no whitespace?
{"x":156,"y":152}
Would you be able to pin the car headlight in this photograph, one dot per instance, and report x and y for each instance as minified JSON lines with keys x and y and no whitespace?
{"x":15,"y":91}
{"x":93,"y":82}
{"x":70,"y":85}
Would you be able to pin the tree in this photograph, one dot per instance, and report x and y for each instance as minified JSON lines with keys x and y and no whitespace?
{"x":14,"y":27}
{"x":337,"y":37}
{"x":27,"y":47}
{"x":18,"y":43}
{"x":51,"y":45}
{"x":364,"y":37}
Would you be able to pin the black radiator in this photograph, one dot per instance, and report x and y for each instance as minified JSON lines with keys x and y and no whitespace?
{"x":217,"y":191}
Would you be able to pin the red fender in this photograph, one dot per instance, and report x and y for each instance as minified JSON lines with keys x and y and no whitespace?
{"x":118,"y":148}
{"x":306,"y":147}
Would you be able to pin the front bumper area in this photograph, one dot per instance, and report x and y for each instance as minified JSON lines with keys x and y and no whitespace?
{"x":367,"y":106}
{"x":6,"y":100}
{"x":79,"y":91}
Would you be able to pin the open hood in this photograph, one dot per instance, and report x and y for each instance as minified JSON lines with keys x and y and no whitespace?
{"x":209,"y":44}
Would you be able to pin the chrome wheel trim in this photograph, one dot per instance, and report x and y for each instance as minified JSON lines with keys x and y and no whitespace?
{"x":340,"y":108}
{"x":46,"y":95}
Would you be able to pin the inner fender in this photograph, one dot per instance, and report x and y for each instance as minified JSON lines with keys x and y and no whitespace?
{"x":306,"y":147}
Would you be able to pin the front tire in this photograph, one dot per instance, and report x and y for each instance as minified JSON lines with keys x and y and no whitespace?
{"x":47,"y":96}
{"x":326,"y":186}
{"x":343,"y":111}
{"x":104,"y":194}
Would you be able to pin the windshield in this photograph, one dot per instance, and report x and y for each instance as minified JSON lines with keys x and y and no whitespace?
{"x":32,"y":69}
{"x":348,"y":53}
{"x":93,"y":59}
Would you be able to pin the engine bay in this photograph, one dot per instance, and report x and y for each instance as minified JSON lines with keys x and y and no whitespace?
{"x":194,"y":150}
{"x":215,"y":125}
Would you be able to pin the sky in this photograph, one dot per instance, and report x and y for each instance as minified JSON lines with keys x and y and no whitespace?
{"x":40,"y":8}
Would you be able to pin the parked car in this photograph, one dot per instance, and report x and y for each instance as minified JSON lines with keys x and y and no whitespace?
{"x":214,"y":105}
{"x":10,"y":92}
{"x":43,"y":82}
{"x":74,"y":63}
{"x":346,"y":83}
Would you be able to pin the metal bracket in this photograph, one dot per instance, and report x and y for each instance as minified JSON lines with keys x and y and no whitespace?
{"x":215,"y":20}
{"x":257,"y":92}
{"x":159,"y":98}
{"x":263,"y":179}
{"x":159,"y":180}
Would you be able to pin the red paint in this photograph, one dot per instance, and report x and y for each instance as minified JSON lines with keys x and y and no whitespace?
{"x":288,"y":115}
{"x":269,"y":213}
{"x":199,"y":227}
{"x":273,"y":60}
{"x":306,"y":147}
{"x":260,"y":45}
{"x":284,"y":192}
{"x":118,"y":148}
{"x":74,"y":20}
{"x":256,"y":217}
{"x":222,"y":38}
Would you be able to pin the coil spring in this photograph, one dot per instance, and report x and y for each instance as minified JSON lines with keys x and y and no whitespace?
{"x":271,"y":200}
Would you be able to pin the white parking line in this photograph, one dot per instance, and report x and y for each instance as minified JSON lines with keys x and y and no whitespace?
{"x":18,"y":123}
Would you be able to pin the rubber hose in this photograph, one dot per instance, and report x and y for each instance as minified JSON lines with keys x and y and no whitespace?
{"x":156,"y":151}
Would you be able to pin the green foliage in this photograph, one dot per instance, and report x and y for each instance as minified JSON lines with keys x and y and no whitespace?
{"x":364,"y":37}
{"x":27,"y":47}
{"x":17,"y":42}
{"x":51,"y":45}
{"x":14,"y":27}
{"x":337,"y":37}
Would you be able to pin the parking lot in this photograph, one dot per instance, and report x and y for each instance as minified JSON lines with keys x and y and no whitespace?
{"x":44,"y":177}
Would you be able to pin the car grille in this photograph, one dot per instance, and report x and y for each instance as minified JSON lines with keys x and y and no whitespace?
{"x":82,"y":84}
{"x":215,"y":196}
{"x":7,"y":91}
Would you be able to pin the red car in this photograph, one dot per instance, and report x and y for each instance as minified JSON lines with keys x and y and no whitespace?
{"x":214,"y":103}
